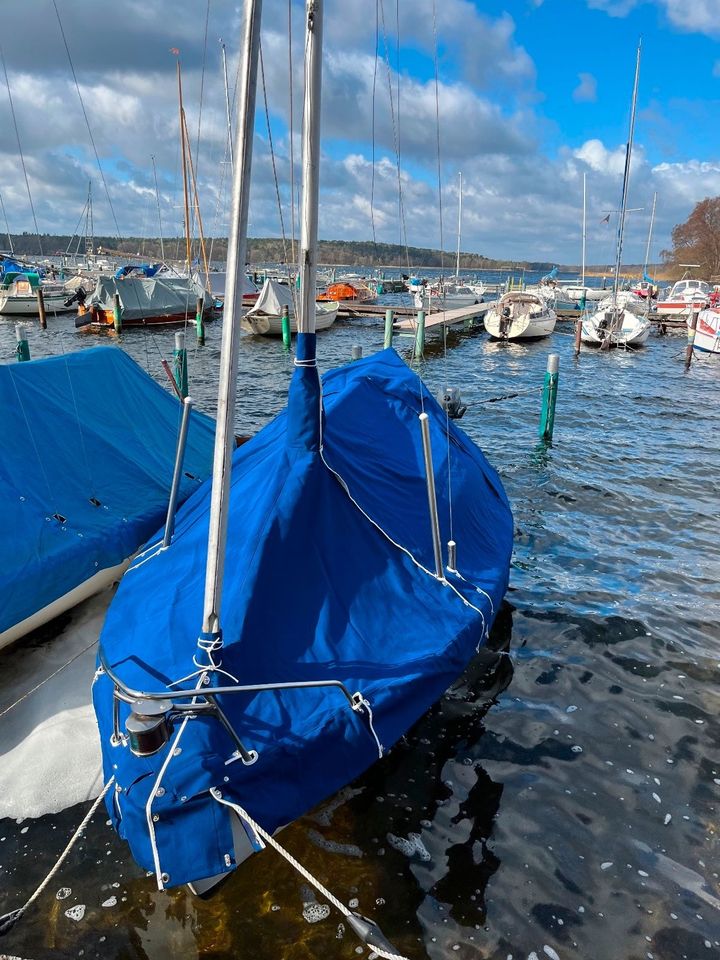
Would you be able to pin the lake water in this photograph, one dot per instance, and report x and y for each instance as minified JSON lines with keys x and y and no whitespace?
{"x":562,"y":798}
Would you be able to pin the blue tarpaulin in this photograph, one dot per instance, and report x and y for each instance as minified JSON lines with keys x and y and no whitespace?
{"x":88,"y":446}
{"x":329,"y":575}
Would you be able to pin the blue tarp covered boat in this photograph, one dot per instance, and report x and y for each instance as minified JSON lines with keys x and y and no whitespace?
{"x":329,"y":576}
{"x":88,"y":446}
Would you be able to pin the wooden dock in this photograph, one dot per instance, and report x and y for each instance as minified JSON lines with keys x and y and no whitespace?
{"x":445,"y":318}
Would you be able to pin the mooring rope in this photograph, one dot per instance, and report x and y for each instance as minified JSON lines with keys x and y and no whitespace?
{"x":43,"y":682}
{"x":296,"y":865}
{"x":8,"y":920}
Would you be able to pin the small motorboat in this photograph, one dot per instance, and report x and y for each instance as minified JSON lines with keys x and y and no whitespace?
{"x":707,"y":334}
{"x":144,"y":301}
{"x":350,"y":291}
{"x":686,"y":296}
{"x":18,"y":294}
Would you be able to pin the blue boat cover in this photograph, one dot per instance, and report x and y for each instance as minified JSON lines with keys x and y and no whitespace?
{"x":88,"y":437}
{"x":329,"y":574}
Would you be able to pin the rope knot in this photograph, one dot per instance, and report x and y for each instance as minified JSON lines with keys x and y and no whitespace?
{"x":362,"y":706}
{"x":209,"y":643}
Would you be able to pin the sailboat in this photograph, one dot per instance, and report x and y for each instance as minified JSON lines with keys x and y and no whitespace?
{"x":305,"y":613}
{"x":613,"y":324}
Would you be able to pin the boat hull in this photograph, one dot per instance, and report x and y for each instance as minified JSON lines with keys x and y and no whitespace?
{"x":520,"y":316}
{"x":270,"y":325}
{"x":633,"y":331}
{"x":24,"y":306}
{"x":707,"y":334}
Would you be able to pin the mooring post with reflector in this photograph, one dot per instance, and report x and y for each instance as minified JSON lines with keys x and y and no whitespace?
{"x":287,"y":340}
{"x":22,"y":350}
{"x":550,"y":388}
{"x":180,"y":364}
{"x":200,"y":322}
{"x":117,"y":313}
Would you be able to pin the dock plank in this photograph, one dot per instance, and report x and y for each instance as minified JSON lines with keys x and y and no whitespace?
{"x":446,"y":318}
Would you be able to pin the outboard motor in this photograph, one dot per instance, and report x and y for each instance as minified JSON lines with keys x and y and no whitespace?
{"x":79,"y":297}
{"x":505,"y":321}
{"x":451,"y":401}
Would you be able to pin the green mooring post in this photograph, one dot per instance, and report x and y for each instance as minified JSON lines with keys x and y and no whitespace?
{"x":420,"y":334}
{"x":200,"y":322}
{"x":287,"y":339}
{"x":547,"y":414}
{"x":388,"y":328}
{"x":117,"y":313}
{"x":180,"y":368}
{"x":22,"y":350}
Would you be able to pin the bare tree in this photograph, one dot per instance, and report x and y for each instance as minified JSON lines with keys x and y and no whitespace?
{"x":698,"y":239}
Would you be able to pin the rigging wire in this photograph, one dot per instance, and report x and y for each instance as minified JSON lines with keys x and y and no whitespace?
{"x":202,"y":88}
{"x":22,"y":158}
{"x":401,"y":205}
{"x":87,"y":122}
{"x":7,"y":225}
{"x":157,"y":200}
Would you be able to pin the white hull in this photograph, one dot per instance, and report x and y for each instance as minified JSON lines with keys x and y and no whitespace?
{"x":270,"y":325}
{"x":28,"y":306}
{"x":707,"y":335}
{"x":679,"y":308}
{"x":99,"y":581}
{"x":520,"y":316}
{"x":577,"y":293}
{"x":631,"y":331}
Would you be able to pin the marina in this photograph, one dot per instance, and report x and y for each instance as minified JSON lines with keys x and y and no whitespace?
{"x":358,"y":611}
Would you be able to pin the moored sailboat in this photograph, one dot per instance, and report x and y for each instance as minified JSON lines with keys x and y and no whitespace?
{"x":246,"y":709}
{"x":520,"y":315}
{"x":613,"y":323}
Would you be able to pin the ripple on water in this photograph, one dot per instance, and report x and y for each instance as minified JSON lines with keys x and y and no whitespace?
{"x":506,"y":823}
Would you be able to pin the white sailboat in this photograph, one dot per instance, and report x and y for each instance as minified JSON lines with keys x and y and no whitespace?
{"x":613,"y":323}
{"x":520,"y":315}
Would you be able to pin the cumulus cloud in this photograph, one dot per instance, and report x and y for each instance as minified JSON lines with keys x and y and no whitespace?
{"x":692,"y":16}
{"x":586,"y":90}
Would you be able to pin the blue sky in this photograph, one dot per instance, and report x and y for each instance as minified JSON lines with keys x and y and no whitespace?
{"x":533,"y":94}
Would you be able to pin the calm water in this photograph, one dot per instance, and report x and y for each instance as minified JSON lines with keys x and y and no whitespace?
{"x":562,"y":799}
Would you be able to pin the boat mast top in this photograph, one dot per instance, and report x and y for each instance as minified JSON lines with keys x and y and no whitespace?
{"x":626,"y":176}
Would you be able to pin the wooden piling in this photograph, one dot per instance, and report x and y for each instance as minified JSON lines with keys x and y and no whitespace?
{"x":547,"y":414}
{"x":200,"y":321}
{"x":691,"y":338}
{"x":420,"y":334}
{"x":22,"y":350}
{"x":578,"y":335}
{"x":388,"y":329}
{"x":41,"y":308}
{"x":117,"y":313}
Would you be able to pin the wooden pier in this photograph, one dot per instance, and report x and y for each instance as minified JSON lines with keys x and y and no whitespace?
{"x":445,"y":318}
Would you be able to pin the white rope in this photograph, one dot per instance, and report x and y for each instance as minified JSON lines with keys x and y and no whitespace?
{"x":10,"y":919}
{"x":43,"y":682}
{"x":360,"y":704}
{"x":405,"y":550}
{"x":303,"y":871}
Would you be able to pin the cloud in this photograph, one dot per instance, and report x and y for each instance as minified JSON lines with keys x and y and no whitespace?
{"x":690,"y":16}
{"x":586,"y":90}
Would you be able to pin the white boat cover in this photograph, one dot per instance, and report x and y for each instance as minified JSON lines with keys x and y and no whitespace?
{"x":273,"y":299}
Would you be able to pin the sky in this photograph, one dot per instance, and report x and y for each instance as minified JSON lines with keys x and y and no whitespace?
{"x":523,"y":97}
